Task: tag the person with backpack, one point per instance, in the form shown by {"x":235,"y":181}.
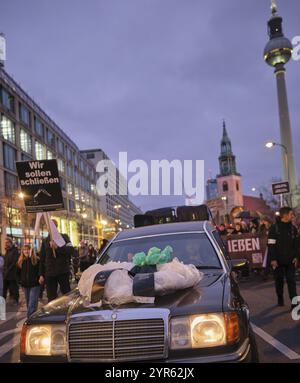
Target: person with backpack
{"x":28,"y":264}
{"x":284,"y":249}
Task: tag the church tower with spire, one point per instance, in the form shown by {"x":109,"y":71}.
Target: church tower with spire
{"x":229,"y":180}
{"x":227,"y":159}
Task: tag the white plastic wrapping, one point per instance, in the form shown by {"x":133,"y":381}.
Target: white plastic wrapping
{"x":175,"y":275}
{"x":87,"y":278}
{"x":118,"y":288}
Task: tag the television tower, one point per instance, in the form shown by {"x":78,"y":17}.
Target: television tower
{"x":277,"y":53}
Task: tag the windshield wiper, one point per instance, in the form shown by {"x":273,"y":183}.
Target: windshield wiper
{"x":208,"y":267}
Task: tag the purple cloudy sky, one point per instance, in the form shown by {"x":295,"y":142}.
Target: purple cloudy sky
{"x":156,"y":77}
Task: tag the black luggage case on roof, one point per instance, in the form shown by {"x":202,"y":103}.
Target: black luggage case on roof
{"x":164,"y":215}
{"x":193,"y":213}
{"x":143,"y":220}
{"x":171,"y":214}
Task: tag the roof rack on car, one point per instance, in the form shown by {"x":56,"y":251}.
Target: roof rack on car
{"x":173,"y":214}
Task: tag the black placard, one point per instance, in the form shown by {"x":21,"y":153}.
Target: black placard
{"x":281,"y":188}
{"x":40,"y":183}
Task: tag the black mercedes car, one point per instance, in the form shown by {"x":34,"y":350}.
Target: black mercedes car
{"x":207,"y":323}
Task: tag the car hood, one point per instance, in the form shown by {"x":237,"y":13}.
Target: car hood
{"x":206,"y":297}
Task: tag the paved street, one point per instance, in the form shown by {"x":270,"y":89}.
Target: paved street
{"x":277,"y":334}
{"x":10,"y":331}
{"x":274,"y":324}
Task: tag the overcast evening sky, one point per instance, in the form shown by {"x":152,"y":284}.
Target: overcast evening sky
{"x":155,"y":78}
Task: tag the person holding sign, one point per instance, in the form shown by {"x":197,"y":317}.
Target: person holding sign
{"x":283,"y":247}
{"x":56,"y":252}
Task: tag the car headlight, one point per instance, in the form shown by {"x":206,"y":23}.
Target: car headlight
{"x":43,"y":340}
{"x":204,"y":330}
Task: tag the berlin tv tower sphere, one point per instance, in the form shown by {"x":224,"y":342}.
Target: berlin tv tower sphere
{"x":279,"y":49}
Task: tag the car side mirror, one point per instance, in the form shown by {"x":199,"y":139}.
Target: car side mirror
{"x":237,"y":264}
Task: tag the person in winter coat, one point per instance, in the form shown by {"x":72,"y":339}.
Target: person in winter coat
{"x":28,"y":265}
{"x":238,"y":229}
{"x":222,"y":230}
{"x":264,"y":227}
{"x":1,"y":275}
{"x":75,"y":261}
{"x":55,"y":266}
{"x":284,"y":252}
{"x":103,"y":245}
{"x":10,"y":279}
{"x":263,"y":232}
{"x":83,"y":256}
{"x":92,"y":255}
{"x":253,"y":226}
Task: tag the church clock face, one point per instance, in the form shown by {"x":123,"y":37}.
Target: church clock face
{"x":225,"y":166}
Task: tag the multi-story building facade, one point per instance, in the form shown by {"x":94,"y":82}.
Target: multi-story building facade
{"x":211,"y":189}
{"x":115,"y":203}
{"x":27,"y":132}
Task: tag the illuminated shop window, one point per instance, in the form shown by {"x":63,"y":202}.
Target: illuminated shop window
{"x":40,"y":151}
{"x":25,"y":141}
{"x":8,"y":129}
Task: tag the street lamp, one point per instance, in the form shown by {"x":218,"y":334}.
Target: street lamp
{"x":286,"y":172}
{"x":225,"y":200}
{"x":270,"y":145}
{"x":21,"y":195}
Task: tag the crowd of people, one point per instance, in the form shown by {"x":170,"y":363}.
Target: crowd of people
{"x":51,"y":269}
{"x":282,"y":257}
{"x":254,"y":226}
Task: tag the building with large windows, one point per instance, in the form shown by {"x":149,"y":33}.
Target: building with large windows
{"x":27,"y":132}
{"x":115,"y":203}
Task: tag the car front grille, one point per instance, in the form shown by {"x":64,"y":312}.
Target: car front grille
{"x":118,"y":340}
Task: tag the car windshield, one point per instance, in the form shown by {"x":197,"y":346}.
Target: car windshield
{"x":191,"y":248}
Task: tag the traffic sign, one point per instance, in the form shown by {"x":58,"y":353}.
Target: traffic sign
{"x":281,"y":188}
